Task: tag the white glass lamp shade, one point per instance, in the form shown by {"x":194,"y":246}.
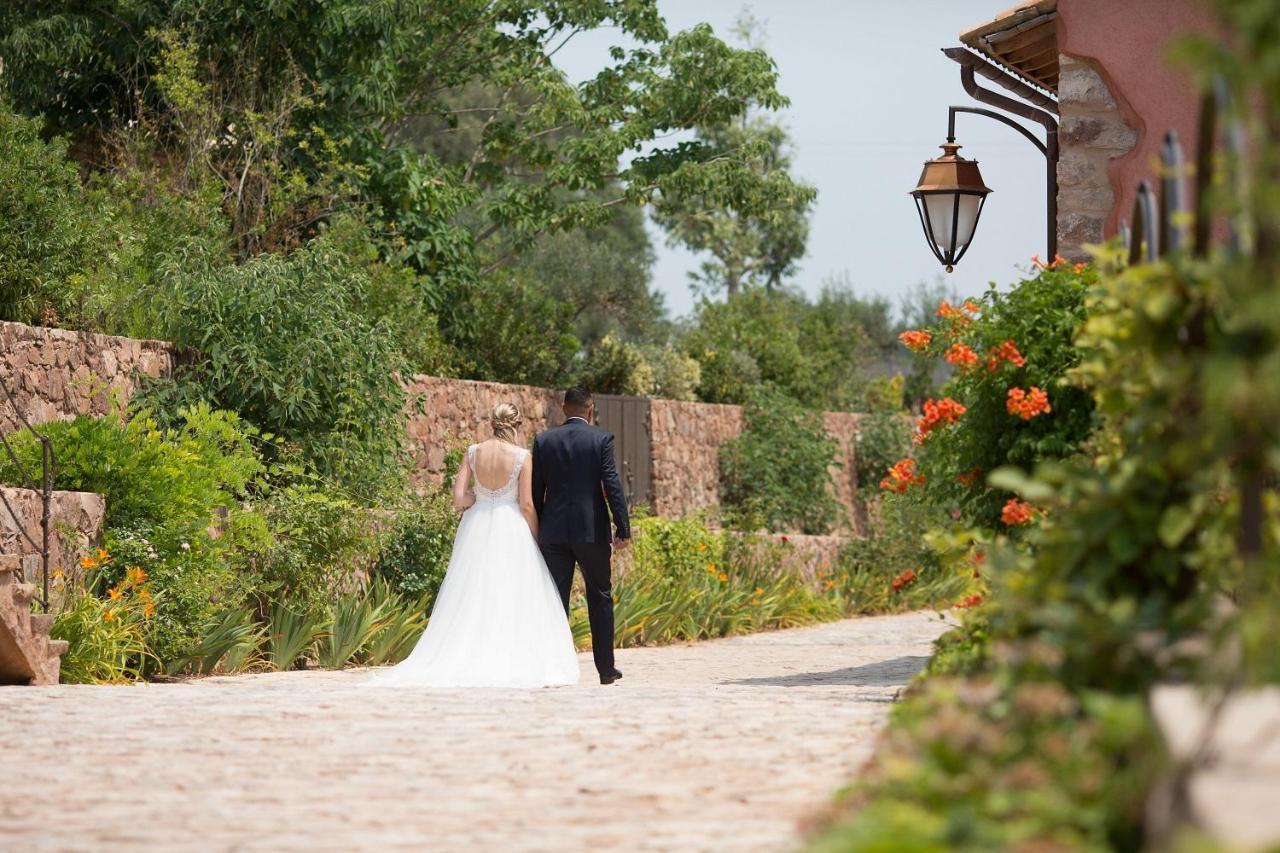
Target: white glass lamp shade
{"x":952,"y":219}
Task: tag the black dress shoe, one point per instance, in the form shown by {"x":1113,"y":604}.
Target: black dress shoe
{"x":611,"y":677}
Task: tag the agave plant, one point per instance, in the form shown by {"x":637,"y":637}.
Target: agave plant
{"x":291,"y":635}
{"x":398,"y":630}
{"x":353,"y":620}
{"x":232,"y":639}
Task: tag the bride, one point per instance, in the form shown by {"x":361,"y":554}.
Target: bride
{"x":498,"y":620}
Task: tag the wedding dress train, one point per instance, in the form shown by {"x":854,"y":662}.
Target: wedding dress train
{"x":498,"y":620}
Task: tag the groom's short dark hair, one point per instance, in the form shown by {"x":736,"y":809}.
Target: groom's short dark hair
{"x":577,"y":399}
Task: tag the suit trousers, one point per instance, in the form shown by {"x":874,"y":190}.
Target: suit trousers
{"x":593,"y":560}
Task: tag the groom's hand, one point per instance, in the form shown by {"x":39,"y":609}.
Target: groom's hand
{"x":619,"y":543}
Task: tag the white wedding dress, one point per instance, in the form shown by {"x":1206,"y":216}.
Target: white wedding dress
{"x":498,"y":620}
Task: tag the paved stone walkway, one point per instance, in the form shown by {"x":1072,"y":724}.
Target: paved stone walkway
{"x":716,"y":746}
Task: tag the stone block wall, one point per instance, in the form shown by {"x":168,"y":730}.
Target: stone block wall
{"x":843,"y":429}
{"x":685,"y":439}
{"x":55,"y":374}
{"x":1092,"y":134}
{"x":686,"y":464}
{"x":77,"y":527}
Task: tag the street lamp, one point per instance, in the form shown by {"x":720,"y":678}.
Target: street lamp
{"x":949,"y":199}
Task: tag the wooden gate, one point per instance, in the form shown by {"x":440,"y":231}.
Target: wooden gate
{"x":628,"y":419}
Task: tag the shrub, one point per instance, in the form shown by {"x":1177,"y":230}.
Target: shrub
{"x":810,"y":351}
{"x":320,"y":545}
{"x":668,"y":373}
{"x":166,"y":489}
{"x":50,"y":228}
{"x":685,"y":582}
{"x":983,"y":765}
{"x":173,"y":479}
{"x":904,"y":562}
{"x":106,"y":636}
{"x":291,"y":636}
{"x":192,"y":581}
{"x":517,"y":332}
{"x":776,"y":473}
{"x":230,"y":641}
{"x":280,"y":342}
{"x":884,"y":437}
{"x":399,"y":629}
{"x":1008,"y":343}
{"x":614,"y":366}
{"x":354,"y":619}
{"x":416,"y":550}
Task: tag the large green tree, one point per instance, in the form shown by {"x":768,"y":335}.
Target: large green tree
{"x":750,"y":242}
{"x":297,"y":107}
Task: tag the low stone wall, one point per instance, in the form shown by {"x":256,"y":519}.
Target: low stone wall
{"x":77,"y":527}
{"x":55,"y":374}
{"x":843,"y":427}
{"x":686,"y":465}
{"x":448,"y":413}
{"x":686,"y":441}
{"x":811,"y":557}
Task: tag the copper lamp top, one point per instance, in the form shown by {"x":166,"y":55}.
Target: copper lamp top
{"x":951,"y":173}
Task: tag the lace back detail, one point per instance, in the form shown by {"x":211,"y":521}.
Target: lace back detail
{"x":506,"y":492}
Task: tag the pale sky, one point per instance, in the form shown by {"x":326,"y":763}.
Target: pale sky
{"x":869,"y":90}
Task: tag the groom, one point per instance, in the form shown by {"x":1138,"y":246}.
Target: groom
{"x":573,"y":472}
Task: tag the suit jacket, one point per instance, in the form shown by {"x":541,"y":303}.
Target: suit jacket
{"x":573,"y":473}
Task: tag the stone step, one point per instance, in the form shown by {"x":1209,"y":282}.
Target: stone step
{"x":58,"y":648}
{"x":41,"y":623}
{"x":23,"y":593}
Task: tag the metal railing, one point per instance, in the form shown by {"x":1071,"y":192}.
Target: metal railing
{"x":44,"y":486}
{"x":1159,"y":226}
{"x":1160,"y":220}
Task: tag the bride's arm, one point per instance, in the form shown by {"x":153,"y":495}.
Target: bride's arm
{"x":526,"y":498}
{"x":463,"y":497}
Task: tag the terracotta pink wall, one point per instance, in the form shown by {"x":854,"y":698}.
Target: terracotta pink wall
{"x":1128,"y":42}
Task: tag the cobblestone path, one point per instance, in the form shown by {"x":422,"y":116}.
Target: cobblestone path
{"x":718,"y":746}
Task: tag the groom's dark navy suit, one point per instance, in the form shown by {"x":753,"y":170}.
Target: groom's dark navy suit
{"x":573,"y":475}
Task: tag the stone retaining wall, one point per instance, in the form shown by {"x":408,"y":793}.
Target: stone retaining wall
{"x":56,"y":375}
{"x":77,"y":527}
{"x":685,"y":439}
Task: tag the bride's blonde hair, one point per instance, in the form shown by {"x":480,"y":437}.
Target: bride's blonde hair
{"x":505,"y":420}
